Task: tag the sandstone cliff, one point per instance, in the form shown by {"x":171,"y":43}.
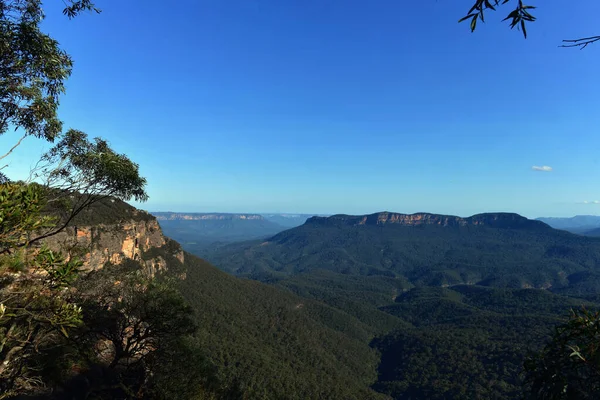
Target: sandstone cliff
{"x":172,"y":216}
{"x":494,"y":220}
{"x":112,"y":232}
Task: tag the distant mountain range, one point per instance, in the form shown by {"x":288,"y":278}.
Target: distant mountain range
{"x":175,"y":216}
{"x":455,"y":302}
{"x":198,"y":232}
{"x":289,"y":220}
{"x":588,"y":225}
{"x":496,"y":249}
{"x":495,"y":220}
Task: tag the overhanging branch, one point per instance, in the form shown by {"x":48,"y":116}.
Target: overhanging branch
{"x":582,"y":43}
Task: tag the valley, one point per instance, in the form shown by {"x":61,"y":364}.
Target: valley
{"x":211,"y":107}
{"x":452,"y":305}
{"x":199,"y":233}
{"x":378,"y":306}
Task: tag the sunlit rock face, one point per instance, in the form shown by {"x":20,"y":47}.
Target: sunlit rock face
{"x":132,"y":236}
{"x":494,"y":220}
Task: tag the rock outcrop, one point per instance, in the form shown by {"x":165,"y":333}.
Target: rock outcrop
{"x":129,"y":236}
{"x":494,"y":220}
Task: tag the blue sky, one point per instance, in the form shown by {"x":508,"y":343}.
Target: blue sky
{"x":338,"y":106}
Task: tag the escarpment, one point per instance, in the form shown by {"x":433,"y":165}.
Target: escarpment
{"x":173,"y":216}
{"x":112,"y":232}
{"x":492,"y":220}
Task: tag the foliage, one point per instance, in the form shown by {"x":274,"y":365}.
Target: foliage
{"x":35,"y":282}
{"x":395,"y":257}
{"x":33,"y":68}
{"x":20,"y":214}
{"x":272,"y":344}
{"x":467,"y":341}
{"x":568,"y":367}
{"x":36,"y":309}
{"x":518,"y":17}
{"x":182,"y":371}
{"x":106,"y":211}
{"x":79,"y":173}
{"x":36,"y":313}
{"x":37,"y":306}
{"x":118,"y":335}
{"x":136,"y":315}
{"x":138,"y":326}
{"x":446,"y":304}
{"x":75,"y":164}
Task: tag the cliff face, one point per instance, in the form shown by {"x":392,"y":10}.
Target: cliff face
{"x":171,"y":216}
{"x":130,"y":236}
{"x":495,"y":220}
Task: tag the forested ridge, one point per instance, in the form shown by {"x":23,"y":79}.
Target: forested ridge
{"x":455,"y":311}
{"x":425,"y":255}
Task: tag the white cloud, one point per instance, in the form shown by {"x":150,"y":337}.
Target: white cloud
{"x":591,"y":202}
{"x":543,"y":168}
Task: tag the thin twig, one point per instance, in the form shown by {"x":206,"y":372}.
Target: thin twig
{"x":582,"y":43}
{"x":14,"y":147}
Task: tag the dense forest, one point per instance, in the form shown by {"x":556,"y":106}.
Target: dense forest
{"x":454,"y":311}
{"x":533,"y":255}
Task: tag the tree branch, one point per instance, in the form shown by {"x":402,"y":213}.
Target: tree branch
{"x":14,"y":147}
{"x":76,"y":210}
{"x":582,"y":43}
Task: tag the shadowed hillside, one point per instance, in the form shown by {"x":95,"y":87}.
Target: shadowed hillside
{"x":457,"y":303}
{"x":499,"y":250}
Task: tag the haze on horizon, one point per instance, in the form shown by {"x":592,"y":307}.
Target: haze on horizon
{"x":338,"y":107}
{"x":294,"y":214}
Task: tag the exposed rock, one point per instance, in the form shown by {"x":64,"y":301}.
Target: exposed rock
{"x":99,"y":244}
{"x":170,"y":216}
{"x":495,"y":220}
{"x":112,"y":231}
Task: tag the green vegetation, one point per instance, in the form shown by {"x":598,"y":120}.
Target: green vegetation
{"x":568,"y":367}
{"x":448,"y":308}
{"x":428,"y":255}
{"x":349,"y":312}
{"x":112,"y":333}
{"x":50,"y":323}
{"x":467,"y":341}
{"x":273,"y":344}
{"x":141,"y":331}
{"x":312,"y":333}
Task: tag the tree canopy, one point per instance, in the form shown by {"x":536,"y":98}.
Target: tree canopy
{"x":569,"y":365}
{"x":33,"y":68}
{"x":37,"y":308}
